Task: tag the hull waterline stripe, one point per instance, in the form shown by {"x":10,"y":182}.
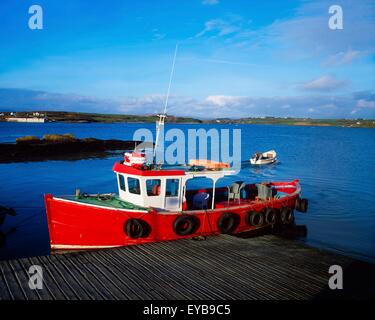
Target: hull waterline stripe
{"x":68,"y":246}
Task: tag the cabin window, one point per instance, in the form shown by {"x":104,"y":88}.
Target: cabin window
{"x":121,"y":182}
{"x":134,"y":185}
{"x":171,"y":187}
{"x":153,"y":187}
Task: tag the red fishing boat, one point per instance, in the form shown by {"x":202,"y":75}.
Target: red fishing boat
{"x":154,"y":203}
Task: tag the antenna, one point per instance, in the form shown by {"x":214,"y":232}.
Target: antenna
{"x":170,"y":79}
{"x":162,"y":116}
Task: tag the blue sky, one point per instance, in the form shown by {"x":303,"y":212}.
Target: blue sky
{"x":236,"y":58}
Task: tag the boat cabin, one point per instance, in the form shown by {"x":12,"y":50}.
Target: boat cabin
{"x":164,"y":189}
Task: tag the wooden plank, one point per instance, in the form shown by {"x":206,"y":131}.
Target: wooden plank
{"x":106,"y":289}
{"x":162,"y":274}
{"x":68,"y":277}
{"x":253,"y":270}
{"x":230,"y":278}
{"x":22,"y":272}
{"x":139,"y":279}
{"x":222,"y":267}
{"x":104,"y":276}
{"x":55,"y":275}
{"x":5,"y":291}
{"x":49,"y":284}
{"x":81,"y":277}
{"x":160,"y":282}
{"x":191,"y":274}
{"x":13,"y":282}
{"x":117,"y":275}
{"x":126,"y":278}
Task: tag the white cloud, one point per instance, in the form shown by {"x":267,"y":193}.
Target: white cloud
{"x":157,"y":35}
{"x":213,"y":106}
{"x":365,"y":104}
{"x":210,"y":2}
{"x":286,"y":106}
{"x":324,"y":83}
{"x":342,"y":58}
{"x":224,"y":101}
{"x":328,"y":106}
{"x":235,"y":63}
{"x":218,"y":27}
{"x":307,"y":35}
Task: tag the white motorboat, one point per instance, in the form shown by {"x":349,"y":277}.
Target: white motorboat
{"x":264,"y":158}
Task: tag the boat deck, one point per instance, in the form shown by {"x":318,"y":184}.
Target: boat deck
{"x":221,"y":267}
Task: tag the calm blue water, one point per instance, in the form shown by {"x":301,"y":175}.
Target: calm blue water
{"x":335,"y":166}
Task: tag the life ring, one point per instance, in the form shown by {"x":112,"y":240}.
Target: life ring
{"x":301,"y":204}
{"x":286,"y":215}
{"x":270,"y":216}
{"x":228,"y":222}
{"x":137,"y":228}
{"x":185,"y":225}
{"x":255,"y":218}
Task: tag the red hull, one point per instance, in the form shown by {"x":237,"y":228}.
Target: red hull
{"x":74,"y":225}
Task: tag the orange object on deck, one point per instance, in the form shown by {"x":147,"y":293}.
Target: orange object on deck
{"x":209,"y":164}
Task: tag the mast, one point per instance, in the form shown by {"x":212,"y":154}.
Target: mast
{"x":160,"y":123}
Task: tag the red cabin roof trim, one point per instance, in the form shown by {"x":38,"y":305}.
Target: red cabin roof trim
{"x":121,"y":168}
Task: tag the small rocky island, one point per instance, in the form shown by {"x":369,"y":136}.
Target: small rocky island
{"x":61,"y":147}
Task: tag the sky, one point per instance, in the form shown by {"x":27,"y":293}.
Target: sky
{"x":236,"y":58}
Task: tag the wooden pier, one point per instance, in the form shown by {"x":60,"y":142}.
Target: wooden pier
{"x":221,"y":267}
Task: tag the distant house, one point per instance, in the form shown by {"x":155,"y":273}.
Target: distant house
{"x":30,"y":120}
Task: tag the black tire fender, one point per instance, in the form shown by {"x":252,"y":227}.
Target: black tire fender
{"x":137,"y":228}
{"x":271,"y":216}
{"x":228,"y":222}
{"x":185,"y":225}
{"x":286,"y":215}
{"x":302,"y":204}
{"x":255,"y":218}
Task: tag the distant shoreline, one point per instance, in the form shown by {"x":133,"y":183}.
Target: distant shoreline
{"x":77,"y":117}
{"x":61,"y":147}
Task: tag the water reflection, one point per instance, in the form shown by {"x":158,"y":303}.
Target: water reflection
{"x":4,"y":212}
{"x":291,"y":231}
{"x":265,"y":170}
{"x":4,"y":236}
